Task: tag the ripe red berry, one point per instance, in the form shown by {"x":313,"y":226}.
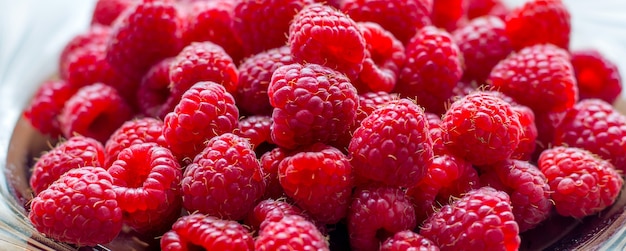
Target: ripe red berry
{"x":135,"y":131}
{"x":449,"y":14}
{"x":377,"y":213}
{"x":94,"y":111}
{"x":292,"y":232}
{"x":432,"y":69}
{"x":269,"y":163}
{"x":481,"y":128}
{"x":79,"y":208}
{"x":319,"y":179}
{"x":408,"y":240}
{"x":596,"y":76}
{"x":96,"y":35}
{"x":106,"y":11}
{"x":75,"y":152}
{"x":154,"y":98}
{"x":208,"y":233}
{"x":257,"y":130}
{"x":312,"y":103}
{"x":224,"y":180}
{"x":582,"y":184}
{"x":540,"y":77}
{"x":480,"y":220}
{"x":479,"y":8}
{"x":323,"y":35}
{"x":206,"y":110}
{"x":270,"y":210}
{"x":392,"y":145}
{"x":46,"y":105}
{"x":539,"y":22}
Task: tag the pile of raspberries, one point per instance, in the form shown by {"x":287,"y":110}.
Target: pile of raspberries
{"x":324,"y":125}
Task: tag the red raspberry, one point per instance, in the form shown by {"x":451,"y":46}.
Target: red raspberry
{"x":144,"y":35}
{"x":527,"y":187}
{"x":96,"y":35}
{"x":597,"y":76}
{"x":106,"y":11}
{"x":257,"y":130}
{"x":377,"y":213}
{"x":224,"y":180}
{"x":94,"y":111}
{"x":539,"y":22}
{"x":312,"y":103}
{"x":323,"y":35}
{"x":262,"y":25}
{"x":546,"y":126}
{"x":202,"y":61}
{"x":205,"y":111}
{"x":208,"y":233}
{"x":255,"y":74}
{"x":408,"y":240}
{"x":135,"y":131}
{"x":481,"y":128}
{"x":447,"y":177}
{"x":319,"y":179}
{"x":432,"y":70}
{"x":480,"y":220}
{"x":292,"y":232}
{"x":449,"y":14}
{"x":79,"y":208}
{"x":539,"y":77}
{"x":528,"y":138}
{"x":595,"y":126}
{"x":582,"y":184}
{"x":400,"y":17}
{"x":479,"y":8}
{"x":46,"y":105}
{"x":385,"y":56}
{"x":154,"y":92}
{"x":211,"y":21}
{"x":435,"y":132}
{"x":392,"y":145}
{"x":77,"y":151}
{"x":269,"y":163}
{"x":270,"y":210}
{"x":483,"y":43}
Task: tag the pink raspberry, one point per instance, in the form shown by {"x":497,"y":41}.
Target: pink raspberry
{"x":408,"y":240}
{"x":206,"y":110}
{"x":312,"y":103}
{"x":319,"y":179}
{"x":432,"y":70}
{"x":154,"y":90}
{"x":377,"y":213}
{"x":224,"y":180}
{"x":392,"y":145}
{"x":47,"y":103}
{"x":582,"y":184}
{"x":323,"y":35}
{"x":208,"y":233}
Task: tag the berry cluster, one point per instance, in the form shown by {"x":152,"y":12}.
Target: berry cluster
{"x":324,"y":125}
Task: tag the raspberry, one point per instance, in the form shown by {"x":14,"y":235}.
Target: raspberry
{"x":435,"y":132}
{"x":449,"y":14}
{"x":319,"y":179}
{"x":432,"y":69}
{"x":77,"y":151}
{"x":106,"y":11}
{"x":322,"y":35}
{"x":208,"y":233}
{"x":377,"y":213}
{"x":483,"y":43}
{"x":46,"y":105}
{"x":539,"y":77}
{"x":94,"y":111}
{"x":224,"y":180}
{"x":153,"y":92}
{"x":597,"y":76}
{"x":79,"y":208}
{"x":582,"y":183}
{"x":144,"y":35}
{"x":384,"y":58}
{"x":269,"y":163}
{"x":211,"y":21}
{"x":447,"y":177}
{"x":408,"y":240}
{"x":481,"y":128}
{"x":292,"y":232}
{"x":312,"y":103}
{"x":595,"y":126}
{"x":546,"y":126}
{"x":400,"y":17}
{"x":528,"y":138}
{"x":255,"y":74}
{"x":205,"y":111}
{"x":96,"y":35}
{"x":480,"y":220}
{"x":270,"y":210}
{"x":479,"y":8}
{"x":262,"y":25}
{"x":146,"y":179}
{"x":202,"y":61}
{"x":527,"y":187}
{"x":257,"y":130}
{"x":539,"y":22}
{"x":392,"y":145}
